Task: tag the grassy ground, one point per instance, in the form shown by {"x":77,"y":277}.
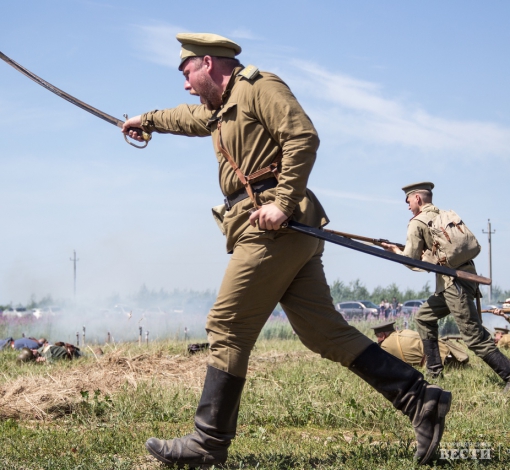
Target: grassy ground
{"x":298,"y":412}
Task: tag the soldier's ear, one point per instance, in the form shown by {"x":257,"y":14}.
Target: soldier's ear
{"x":208,"y":63}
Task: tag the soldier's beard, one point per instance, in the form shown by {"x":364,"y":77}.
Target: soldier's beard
{"x":209,"y":92}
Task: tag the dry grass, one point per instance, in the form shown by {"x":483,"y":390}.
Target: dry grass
{"x":45,"y":396}
{"x":57,"y":392}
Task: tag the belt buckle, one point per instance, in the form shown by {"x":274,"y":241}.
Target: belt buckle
{"x":227,"y":204}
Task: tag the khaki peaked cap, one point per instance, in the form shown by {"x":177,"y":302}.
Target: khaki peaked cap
{"x":423,"y":186}
{"x":383,"y":327}
{"x":502,"y":330}
{"x":202,"y":44}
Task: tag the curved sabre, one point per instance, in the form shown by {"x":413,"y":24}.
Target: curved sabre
{"x":66,"y":96}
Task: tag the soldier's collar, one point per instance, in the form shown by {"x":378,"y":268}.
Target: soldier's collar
{"x":232,"y":80}
{"x":225,"y":95}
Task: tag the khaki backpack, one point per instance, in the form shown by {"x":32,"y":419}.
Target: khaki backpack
{"x":453,"y":243}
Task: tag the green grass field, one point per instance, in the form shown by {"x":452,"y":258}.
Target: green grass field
{"x":298,"y":411}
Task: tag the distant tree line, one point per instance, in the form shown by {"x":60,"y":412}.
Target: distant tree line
{"x":177,"y":299}
{"x":203,"y":300}
{"x":498,"y":294}
{"x":355,"y":290}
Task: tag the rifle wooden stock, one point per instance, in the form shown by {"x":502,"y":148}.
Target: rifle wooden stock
{"x":472,"y":277}
{"x":373,"y":241}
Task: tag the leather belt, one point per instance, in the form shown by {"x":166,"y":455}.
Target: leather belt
{"x":241,"y":194}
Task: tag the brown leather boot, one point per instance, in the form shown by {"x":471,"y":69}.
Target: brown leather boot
{"x":426,"y":405}
{"x":215,"y":425}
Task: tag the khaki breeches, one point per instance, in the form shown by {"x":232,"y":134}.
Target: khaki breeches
{"x":268,"y":267}
{"x":460,"y":303}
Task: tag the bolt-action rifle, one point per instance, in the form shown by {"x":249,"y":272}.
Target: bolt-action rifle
{"x":337,"y":239}
{"x":502,"y":313}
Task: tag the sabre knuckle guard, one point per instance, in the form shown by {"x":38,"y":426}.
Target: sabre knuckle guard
{"x":453,"y":243}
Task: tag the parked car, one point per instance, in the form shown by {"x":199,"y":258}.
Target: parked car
{"x":17,"y":312}
{"x":412,"y":306}
{"x":41,"y":312}
{"x":357,"y":309}
{"x":38,"y":312}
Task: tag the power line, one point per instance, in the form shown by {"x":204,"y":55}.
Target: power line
{"x":489,"y":233}
{"x":74,"y":260}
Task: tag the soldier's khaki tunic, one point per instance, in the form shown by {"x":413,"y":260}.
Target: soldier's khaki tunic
{"x":452,"y":297}
{"x":504,"y":342}
{"x":259,"y":117}
{"x":54,"y":353}
{"x":407,"y":346}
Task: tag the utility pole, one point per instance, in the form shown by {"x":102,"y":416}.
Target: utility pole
{"x":74,"y":260}
{"x":489,"y":233}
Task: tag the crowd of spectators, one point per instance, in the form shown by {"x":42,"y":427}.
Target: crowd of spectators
{"x":389,"y":309}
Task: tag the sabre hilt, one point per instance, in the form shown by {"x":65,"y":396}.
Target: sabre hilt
{"x":140,"y":133}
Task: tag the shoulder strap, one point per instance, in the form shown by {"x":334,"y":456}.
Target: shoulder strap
{"x":247,"y":179}
{"x":400,"y":346}
{"x":249,"y":72}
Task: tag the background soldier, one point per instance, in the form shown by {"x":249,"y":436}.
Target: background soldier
{"x":451,"y":296}
{"x":502,"y":337}
{"x":266,"y":146}
{"x":30,"y":343}
{"x":50,"y":353}
{"x":5,"y":343}
{"x":407,"y":345}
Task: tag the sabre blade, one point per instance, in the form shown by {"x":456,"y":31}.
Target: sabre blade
{"x":62,"y":94}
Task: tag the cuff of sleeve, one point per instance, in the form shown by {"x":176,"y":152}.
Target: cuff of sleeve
{"x":147,"y":122}
{"x":285,"y":208}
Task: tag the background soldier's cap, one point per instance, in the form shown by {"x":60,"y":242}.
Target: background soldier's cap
{"x":25,"y":355}
{"x":202,"y":44}
{"x":503,"y":330}
{"x":389,"y":326}
{"x":411,"y":188}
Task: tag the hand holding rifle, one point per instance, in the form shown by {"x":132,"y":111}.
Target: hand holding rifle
{"x":500,"y":312}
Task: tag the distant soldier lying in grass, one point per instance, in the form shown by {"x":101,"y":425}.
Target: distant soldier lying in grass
{"x":50,"y":353}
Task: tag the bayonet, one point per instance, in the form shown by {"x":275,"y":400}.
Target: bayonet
{"x":371,"y":250}
{"x":66,"y":96}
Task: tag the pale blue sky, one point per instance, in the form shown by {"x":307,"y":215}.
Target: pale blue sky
{"x":399,"y":91}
